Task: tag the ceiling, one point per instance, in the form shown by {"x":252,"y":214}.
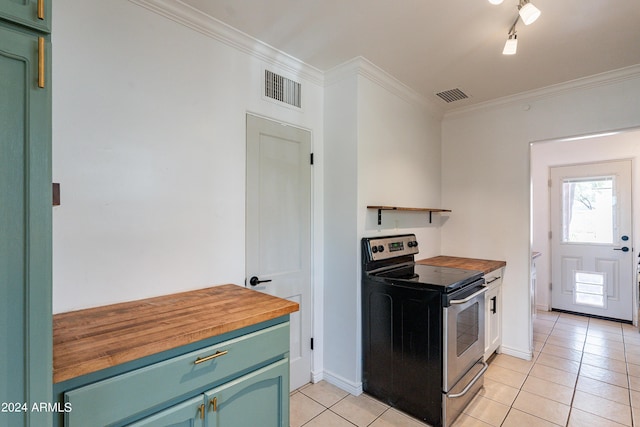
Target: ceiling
{"x":436,"y":45}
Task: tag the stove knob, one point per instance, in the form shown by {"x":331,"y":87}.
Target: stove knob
{"x":410,"y":244}
{"x":374,"y":249}
{"x":415,"y":243}
{"x":380,"y":248}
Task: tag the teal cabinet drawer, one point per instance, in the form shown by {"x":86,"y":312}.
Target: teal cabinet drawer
{"x":124,"y":396}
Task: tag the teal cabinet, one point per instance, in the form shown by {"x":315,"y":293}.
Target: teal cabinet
{"x":212,"y":385}
{"x":260,"y":398}
{"x":25,"y":225}
{"x":34,"y":14}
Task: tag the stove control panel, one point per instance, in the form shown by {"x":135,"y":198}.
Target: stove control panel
{"x":379,"y":248}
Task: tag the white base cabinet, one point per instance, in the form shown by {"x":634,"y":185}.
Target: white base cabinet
{"x":493,"y":313}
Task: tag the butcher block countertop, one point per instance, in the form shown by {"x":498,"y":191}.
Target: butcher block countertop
{"x":86,"y":341}
{"x":484,"y":265}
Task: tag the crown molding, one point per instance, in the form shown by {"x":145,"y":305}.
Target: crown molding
{"x":360,"y":66}
{"x":186,"y":15}
{"x":597,"y":80}
{"x":190,"y":17}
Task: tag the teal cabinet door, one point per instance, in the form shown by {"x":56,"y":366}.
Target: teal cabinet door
{"x":186,"y":414}
{"x":25,"y":232}
{"x":31,"y":13}
{"x":260,"y":398}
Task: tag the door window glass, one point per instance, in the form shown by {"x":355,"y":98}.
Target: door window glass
{"x":588,"y":210}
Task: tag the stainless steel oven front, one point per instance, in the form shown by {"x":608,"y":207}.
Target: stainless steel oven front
{"x":463,"y":345}
{"x":463,"y":334}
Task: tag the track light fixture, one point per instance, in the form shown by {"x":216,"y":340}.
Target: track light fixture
{"x":528,"y":13}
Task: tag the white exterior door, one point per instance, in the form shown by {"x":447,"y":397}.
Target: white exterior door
{"x":591,"y":239}
{"x":278,"y":226}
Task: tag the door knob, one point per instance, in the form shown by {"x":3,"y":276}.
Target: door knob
{"x":623,"y":249}
{"x":254,"y":281}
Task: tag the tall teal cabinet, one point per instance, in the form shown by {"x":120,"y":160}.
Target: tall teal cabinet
{"x":25,"y":213}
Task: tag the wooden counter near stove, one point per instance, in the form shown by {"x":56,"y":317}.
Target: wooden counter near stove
{"x":484,"y":265}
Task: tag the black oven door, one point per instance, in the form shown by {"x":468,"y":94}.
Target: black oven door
{"x":463,"y":334}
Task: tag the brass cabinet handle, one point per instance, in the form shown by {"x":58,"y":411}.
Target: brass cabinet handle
{"x":41,"y":62}
{"x":40,"y":9}
{"x":201,"y":411}
{"x":212,"y":356}
{"x":214,"y":404}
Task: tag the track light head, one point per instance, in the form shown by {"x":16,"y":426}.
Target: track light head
{"x":496,"y":1}
{"x":528,"y":12}
{"x":511,"y":46}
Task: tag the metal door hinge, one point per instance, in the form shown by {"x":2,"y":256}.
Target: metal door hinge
{"x":311,"y":158}
{"x":55,"y":193}
{"x":311,"y":343}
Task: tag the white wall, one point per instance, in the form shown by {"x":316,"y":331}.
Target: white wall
{"x":383,"y":148}
{"x":486,"y":177}
{"x":340,"y":224}
{"x":546,"y":154}
{"x":398,"y":164}
{"x":149,"y":148}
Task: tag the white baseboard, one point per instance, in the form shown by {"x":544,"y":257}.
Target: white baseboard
{"x":543,"y":307}
{"x":526,"y":355}
{"x":316,"y":377}
{"x":342,"y":383}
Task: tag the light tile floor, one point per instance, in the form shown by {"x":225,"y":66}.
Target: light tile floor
{"x":585,"y":372}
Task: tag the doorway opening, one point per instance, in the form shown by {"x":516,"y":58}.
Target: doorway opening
{"x":588,"y":287}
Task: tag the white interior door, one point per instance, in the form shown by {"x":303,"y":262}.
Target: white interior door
{"x":591,"y":239}
{"x":278,"y":226}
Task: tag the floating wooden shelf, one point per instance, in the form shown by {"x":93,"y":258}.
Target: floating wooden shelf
{"x":397,"y":208}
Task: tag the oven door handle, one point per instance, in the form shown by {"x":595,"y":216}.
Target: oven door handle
{"x":473,"y":381}
{"x":470,"y":297}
